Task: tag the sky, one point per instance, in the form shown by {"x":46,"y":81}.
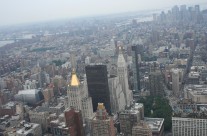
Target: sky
{"x":25,"y":11}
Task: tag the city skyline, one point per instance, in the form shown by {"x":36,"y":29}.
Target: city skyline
{"x":24,"y":11}
{"x":137,"y":73}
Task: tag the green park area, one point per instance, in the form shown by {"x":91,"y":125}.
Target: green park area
{"x":158,"y":107}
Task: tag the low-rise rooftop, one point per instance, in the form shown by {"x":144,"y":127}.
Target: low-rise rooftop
{"x":154,"y":123}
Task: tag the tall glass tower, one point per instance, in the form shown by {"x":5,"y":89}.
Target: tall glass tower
{"x":135,"y":68}
{"x":98,"y":88}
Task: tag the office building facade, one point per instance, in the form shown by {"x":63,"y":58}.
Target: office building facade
{"x":98,"y":88}
{"x":122,"y":73}
{"x":135,"y":68}
{"x":189,"y":126}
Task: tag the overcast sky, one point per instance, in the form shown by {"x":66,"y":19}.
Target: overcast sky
{"x":22,"y":11}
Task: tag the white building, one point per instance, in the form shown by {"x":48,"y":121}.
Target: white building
{"x":197,"y":93}
{"x":176,"y":81}
{"x":86,"y":100}
{"x":87,"y":60}
{"x":116,"y":95}
{"x":123,"y":78}
{"x":189,"y":126}
{"x":78,"y":96}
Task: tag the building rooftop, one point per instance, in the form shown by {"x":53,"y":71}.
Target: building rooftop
{"x":134,"y":109}
{"x":101,"y":106}
{"x":193,"y":75}
{"x":185,"y":119}
{"x":198,"y":92}
{"x":196,"y":89}
{"x":9,"y":105}
{"x":28,"y":91}
{"x":154,"y":123}
{"x":27,"y":128}
{"x":74,"y":79}
{"x":137,"y":106}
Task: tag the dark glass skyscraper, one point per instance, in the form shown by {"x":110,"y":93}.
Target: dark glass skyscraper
{"x":135,"y":68}
{"x":98,"y":88}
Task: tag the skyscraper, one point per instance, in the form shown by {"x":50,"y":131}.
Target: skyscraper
{"x":78,"y":96}
{"x":197,"y":9}
{"x":74,"y":92}
{"x":116,"y":94}
{"x":98,"y":88}
{"x":135,"y":68}
{"x":176,"y":81}
{"x":123,"y":78}
{"x":128,"y":118}
{"x":102,"y":124}
{"x":156,"y":84}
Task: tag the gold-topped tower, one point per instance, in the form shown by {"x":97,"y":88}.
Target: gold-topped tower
{"x":74,"y":79}
{"x":101,"y":106}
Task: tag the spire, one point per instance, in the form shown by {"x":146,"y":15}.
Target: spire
{"x":121,"y":60}
{"x":120,"y":49}
{"x":74,"y":79}
{"x":73,"y":59}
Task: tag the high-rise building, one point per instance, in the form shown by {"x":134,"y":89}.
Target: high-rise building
{"x":128,"y":118}
{"x":102,"y":124}
{"x":189,"y":126}
{"x":98,"y":88}
{"x":74,"y":92}
{"x":135,"y":68}
{"x":74,"y":121}
{"x":39,"y":118}
{"x":123,"y":78}
{"x":175,"y":12}
{"x":183,"y":12}
{"x":116,"y":94}
{"x":197,"y":9}
{"x":78,"y":96}
{"x":156,"y":84}
{"x":176,"y":81}
{"x":183,"y":8}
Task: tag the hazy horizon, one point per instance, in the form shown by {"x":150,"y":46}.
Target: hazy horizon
{"x":27,"y":11}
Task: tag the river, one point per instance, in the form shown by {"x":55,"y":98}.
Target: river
{"x":3,"y":43}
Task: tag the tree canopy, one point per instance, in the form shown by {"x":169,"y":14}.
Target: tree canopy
{"x":158,"y":107}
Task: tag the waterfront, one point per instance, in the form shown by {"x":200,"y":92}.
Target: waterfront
{"x":3,"y":43}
